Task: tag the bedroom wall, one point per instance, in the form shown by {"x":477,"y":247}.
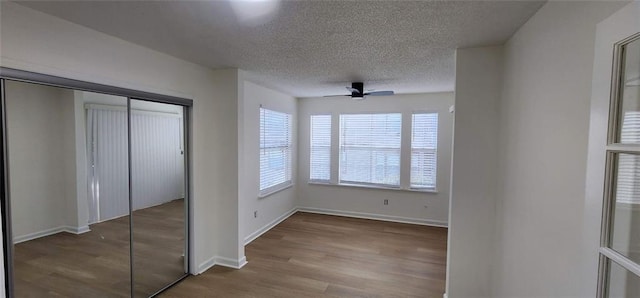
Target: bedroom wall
{"x":474,"y":172}
{"x":277,"y":206}
{"x":430,"y":208}
{"x":544,"y":134}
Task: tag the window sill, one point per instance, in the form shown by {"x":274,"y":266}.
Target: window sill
{"x":421,"y":190}
{"x":275,"y":189}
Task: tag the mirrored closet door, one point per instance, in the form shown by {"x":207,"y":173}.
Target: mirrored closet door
{"x":69,"y":210}
{"x":95,"y":194}
{"x":157,"y":192}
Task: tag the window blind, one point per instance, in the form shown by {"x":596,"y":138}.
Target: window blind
{"x":275,"y":149}
{"x":628,"y":180}
{"x":320,"y":153}
{"x":424,"y":145}
{"x":370,"y":149}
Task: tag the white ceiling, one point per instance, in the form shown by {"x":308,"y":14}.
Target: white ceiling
{"x":311,"y":48}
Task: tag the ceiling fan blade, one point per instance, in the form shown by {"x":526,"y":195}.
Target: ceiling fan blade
{"x":336,"y":95}
{"x":380,"y":93}
{"x":353,"y":90}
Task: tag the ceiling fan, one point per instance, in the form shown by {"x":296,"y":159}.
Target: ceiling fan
{"x":357,"y":92}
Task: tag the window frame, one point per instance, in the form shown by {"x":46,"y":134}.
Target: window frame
{"x":331,"y":143}
{"x":400,"y":149}
{"x":436,"y":151}
{"x":288,"y":175}
{"x":405,"y":151}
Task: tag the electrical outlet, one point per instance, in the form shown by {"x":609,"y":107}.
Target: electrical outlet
{"x":386,"y":201}
{"x":255,"y":214}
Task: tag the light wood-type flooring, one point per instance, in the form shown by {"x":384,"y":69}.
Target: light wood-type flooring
{"x":312,"y":255}
{"x":96,"y":264}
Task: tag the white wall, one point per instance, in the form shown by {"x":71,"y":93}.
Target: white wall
{"x":474,"y":172}
{"x":409,"y":206}
{"x":273,"y":207}
{"x":38,"y":42}
{"x":543,"y":146}
{"x":38,"y":134}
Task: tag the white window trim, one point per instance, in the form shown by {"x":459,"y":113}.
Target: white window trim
{"x":378,"y":187}
{"x":275,"y":189}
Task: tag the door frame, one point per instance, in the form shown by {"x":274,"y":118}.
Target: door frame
{"x":616,"y":30}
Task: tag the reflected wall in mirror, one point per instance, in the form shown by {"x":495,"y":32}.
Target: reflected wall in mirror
{"x":158,"y":192}
{"x":68,"y":187}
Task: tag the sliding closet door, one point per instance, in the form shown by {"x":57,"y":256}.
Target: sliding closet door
{"x":68,"y":165}
{"x":159,"y":215}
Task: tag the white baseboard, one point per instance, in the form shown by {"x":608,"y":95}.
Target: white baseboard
{"x":269,"y":226}
{"x":417,"y":221}
{"x":221,"y":261}
{"x":77,"y":230}
{"x":204,"y":266}
{"x":36,"y":235}
{"x":231,"y":263}
{"x":52,"y":231}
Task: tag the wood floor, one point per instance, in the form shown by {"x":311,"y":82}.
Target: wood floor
{"x":311,"y":255}
{"x":96,"y":264}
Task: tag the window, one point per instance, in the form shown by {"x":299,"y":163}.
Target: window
{"x":424,"y":145}
{"x":320,"y":153}
{"x":275,"y":151}
{"x":370,"y":149}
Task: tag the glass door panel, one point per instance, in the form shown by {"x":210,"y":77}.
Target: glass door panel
{"x":625,"y":211}
{"x":622,"y":283}
{"x":620,"y":241}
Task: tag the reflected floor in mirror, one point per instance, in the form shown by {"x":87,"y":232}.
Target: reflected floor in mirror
{"x":159,"y":243}
{"x":96,"y":263}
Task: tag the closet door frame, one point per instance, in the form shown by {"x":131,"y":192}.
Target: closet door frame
{"x":12,"y":74}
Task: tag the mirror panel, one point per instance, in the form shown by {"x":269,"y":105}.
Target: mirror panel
{"x":67,"y":171}
{"x":158,"y":192}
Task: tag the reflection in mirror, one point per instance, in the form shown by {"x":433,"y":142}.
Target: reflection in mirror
{"x":68,"y":191}
{"x":158,"y":192}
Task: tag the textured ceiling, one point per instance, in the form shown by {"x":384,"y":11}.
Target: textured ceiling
{"x":311,"y":48}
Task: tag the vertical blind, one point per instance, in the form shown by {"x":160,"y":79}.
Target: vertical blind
{"x":628,"y":180}
{"x":157,"y":161}
{"x":424,"y":144}
{"x":370,"y":148}
{"x":320,"y":155}
{"x":108,"y":167}
{"x":275,"y":149}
